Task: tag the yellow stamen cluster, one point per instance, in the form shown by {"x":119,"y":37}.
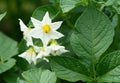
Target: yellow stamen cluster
{"x":30,"y":51}
{"x":42,"y":49}
{"x":54,"y":42}
{"x":46,"y":28}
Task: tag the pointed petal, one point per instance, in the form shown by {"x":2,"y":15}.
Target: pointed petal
{"x":46,"y":59}
{"x":28,"y":40}
{"x":26,"y":56}
{"x":56,"y":25}
{"x":63,"y":50}
{"x":36,"y":22}
{"x":45,"y":39}
{"x":36,"y":33}
{"x":47,"y":52}
{"x":52,"y":35}
{"x":55,"y":35}
{"x":46,"y":18}
{"x":23,"y":27}
{"x":39,"y":55}
{"x":36,"y":48}
{"x":23,"y":54}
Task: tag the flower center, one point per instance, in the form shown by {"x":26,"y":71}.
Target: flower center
{"x":54,"y":42}
{"x":46,"y":28}
{"x":30,"y":51}
{"x":42,"y":49}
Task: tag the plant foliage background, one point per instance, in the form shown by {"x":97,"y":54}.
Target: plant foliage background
{"x":92,"y":36}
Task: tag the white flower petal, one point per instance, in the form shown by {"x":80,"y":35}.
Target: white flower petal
{"x":23,"y":54}
{"x":28,"y":40}
{"x":36,"y":33}
{"x":34,"y":58}
{"x":46,"y":59}
{"x":56,"y":25}
{"x":57,"y":50}
{"x":36,"y":48}
{"x":29,"y":55}
{"x":26,"y":33}
{"x":55,"y":35}
{"x":23,"y":27}
{"x":39,"y":56}
{"x":46,"y":19}
{"x":44,"y":51}
{"x":26,"y":56}
{"x":45,"y":39}
{"x":36,"y":22}
{"x":47,"y":53}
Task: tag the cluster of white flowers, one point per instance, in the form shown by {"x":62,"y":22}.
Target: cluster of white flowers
{"x":46,"y":31}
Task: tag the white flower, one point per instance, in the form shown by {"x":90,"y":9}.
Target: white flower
{"x":26,"y":33}
{"x":57,"y":49}
{"x":43,"y":52}
{"x":29,"y":55}
{"x":45,"y":29}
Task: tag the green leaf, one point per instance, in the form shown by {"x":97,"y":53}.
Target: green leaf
{"x":115,"y":20}
{"x":93,"y":35}
{"x":108,"y":68}
{"x":40,"y":12}
{"x":20,"y":81}
{"x":2,"y":15}
{"x":39,"y":76}
{"x":10,"y":77}
{"x":115,"y":4}
{"x":68,"y":5}
{"x":8,"y":47}
{"x":7,"y":65}
{"x":109,"y":2}
{"x":69,"y":69}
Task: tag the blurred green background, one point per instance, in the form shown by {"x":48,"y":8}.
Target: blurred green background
{"x":16,"y":9}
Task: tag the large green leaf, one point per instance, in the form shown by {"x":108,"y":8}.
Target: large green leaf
{"x":2,"y":15}
{"x":68,"y":5}
{"x":7,"y":65}
{"x":8,"y":47}
{"x":92,"y":36}
{"x":108,"y":68}
{"x":39,"y":76}
{"x":70,"y":69}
